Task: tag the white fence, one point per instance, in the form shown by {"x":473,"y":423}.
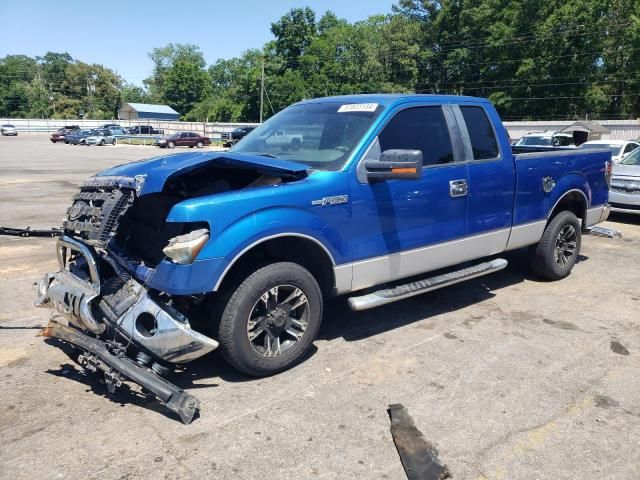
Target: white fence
{"x":620,"y":129}
{"x":209,"y":129}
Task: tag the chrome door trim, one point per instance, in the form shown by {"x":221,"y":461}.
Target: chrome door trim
{"x":458,"y":188}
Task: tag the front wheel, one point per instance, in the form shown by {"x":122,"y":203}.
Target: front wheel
{"x":556,"y":253}
{"x":171,"y":145}
{"x":271,"y":319}
{"x":199,"y":144}
{"x":114,"y":141}
{"x":102,"y":142}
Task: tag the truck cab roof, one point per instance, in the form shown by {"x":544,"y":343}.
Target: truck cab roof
{"x":386,"y":99}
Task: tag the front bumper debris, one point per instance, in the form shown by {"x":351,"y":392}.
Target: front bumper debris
{"x":151,"y":325}
{"x":109,"y":359}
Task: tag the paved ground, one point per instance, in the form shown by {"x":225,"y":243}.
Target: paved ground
{"x":510,"y":377}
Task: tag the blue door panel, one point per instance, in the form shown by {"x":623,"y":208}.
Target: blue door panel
{"x":404,"y":214}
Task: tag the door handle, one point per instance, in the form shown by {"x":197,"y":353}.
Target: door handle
{"x":458,"y":188}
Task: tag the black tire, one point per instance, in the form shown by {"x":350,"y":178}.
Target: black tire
{"x":102,"y":142}
{"x":233,"y":332}
{"x":550,"y":257}
{"x":199,"y":144}
{"x":171,"y":145}
{"x":114,"y":141}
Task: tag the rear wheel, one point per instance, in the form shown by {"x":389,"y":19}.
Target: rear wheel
{"x":271,"y":319}
{"x":556,"y":253}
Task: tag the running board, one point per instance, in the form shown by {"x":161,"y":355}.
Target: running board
{"x":400,"y":292}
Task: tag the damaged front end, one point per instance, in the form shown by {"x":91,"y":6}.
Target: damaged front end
{"x":123,"y":328}
{"x":129,"y":281}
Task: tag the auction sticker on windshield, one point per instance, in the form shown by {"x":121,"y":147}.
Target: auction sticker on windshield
{"x":358,"y":107}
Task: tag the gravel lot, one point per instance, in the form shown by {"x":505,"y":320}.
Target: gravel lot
{"x":509,"y":377}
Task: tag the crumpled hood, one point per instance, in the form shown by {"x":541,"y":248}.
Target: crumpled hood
{"x":626,"y":170}
{"x":157,"y":170}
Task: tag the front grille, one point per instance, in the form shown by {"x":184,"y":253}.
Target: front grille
{"x":97,"y":210}
{"x":625,"y":186}
{"x":625,"y":206}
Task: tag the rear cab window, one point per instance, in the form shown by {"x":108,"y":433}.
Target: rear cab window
{"x":481,"y":134}
{"x":419,"y":128}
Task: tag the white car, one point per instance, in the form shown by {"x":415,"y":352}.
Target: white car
{"x":101,"y":137}
{"x":624,"y":194}
{"x":8,"y":129}
{"x":619,"y":148}
{"x":546,"y":139}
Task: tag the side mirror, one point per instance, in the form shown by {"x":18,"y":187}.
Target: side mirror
{"x":395,"y":164}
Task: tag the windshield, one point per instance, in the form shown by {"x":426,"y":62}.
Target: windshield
{"x":615,"y":149}
{"x":632,"y":159}
{"x":321,"y":135}
{"x":534,"y":141}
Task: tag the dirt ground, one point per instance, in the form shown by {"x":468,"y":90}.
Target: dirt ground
{"x":508,"y":376}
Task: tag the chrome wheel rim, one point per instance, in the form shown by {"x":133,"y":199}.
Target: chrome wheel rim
{"x":278,"y":320}
{"x":565,"y":247}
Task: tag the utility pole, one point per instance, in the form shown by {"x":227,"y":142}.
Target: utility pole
{"x":262,"y":90}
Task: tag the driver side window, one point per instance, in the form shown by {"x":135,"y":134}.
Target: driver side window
{"x":419,"y":128}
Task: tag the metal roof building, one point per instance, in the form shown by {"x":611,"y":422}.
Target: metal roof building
{"x":147,"y":111}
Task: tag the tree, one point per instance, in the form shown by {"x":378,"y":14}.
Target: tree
{"x":184,"y":85}
{"x":294,"y":32}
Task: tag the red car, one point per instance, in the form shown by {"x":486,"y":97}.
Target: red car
{"x":60,"y":134}
{"x":183,"y":139}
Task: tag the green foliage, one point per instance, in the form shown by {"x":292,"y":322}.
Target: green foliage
{"x":57,"y":86}
{"x":535,"y":59}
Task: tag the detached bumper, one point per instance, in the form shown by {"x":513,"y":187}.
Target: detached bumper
{"x":131,"y":309}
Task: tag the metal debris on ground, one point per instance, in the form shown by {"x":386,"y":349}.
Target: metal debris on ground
{"x":31,"y":232}
{"x":419,"y":457}
{"x":599,"y":231}
{"x":98,"y":356}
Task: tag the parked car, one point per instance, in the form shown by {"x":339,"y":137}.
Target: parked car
{"x":109,"y":125}
{"x":8,"y":129}
{"x":619,"y":148}
{"x":60,"y":134}
{"x":183,"y":139}
{"x":116,"y":130}
{"x":231,"y":138}
{"x":257,"y":239}
{"x":78,"y":137}
{"x":625,"y":184}
{"x":284,"y":139}
{"x":144,"y":130}
{"x":101,"y":137}
{"x":546,"y":139}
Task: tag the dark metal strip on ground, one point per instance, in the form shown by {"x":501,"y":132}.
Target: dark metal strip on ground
{"x":419,"y":458}
{"x":30,"y":232}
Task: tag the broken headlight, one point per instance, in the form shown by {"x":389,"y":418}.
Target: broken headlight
{"x":184,"y":249}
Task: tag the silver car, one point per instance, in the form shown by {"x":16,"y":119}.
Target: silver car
{"x":8,"y":129}
{"x":101,"y":137}
{"x":624,"y":194}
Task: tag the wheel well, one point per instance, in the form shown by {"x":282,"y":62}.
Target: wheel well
{"x":573,"y":202}
{"x":302,"y":251}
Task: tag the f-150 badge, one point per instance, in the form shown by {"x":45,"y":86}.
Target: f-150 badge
{"x":338,"y":199}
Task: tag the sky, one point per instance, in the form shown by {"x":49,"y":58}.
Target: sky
{"x":119,"y":34}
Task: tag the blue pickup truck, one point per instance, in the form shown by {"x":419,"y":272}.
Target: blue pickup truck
{"x":379,"y":197}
